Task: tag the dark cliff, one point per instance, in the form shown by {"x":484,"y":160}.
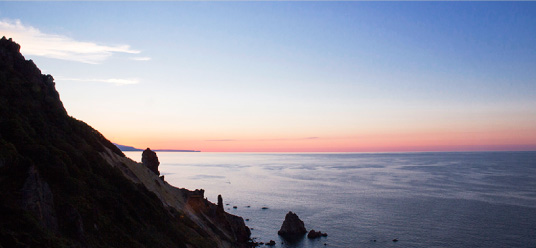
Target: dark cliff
{"x":63,"y":184}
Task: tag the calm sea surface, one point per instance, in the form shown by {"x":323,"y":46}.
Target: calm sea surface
{"x":473,"y":199}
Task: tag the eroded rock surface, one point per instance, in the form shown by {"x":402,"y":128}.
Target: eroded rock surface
{"x":38,"y":200}
{"x":316,"y":234}
{"x":149,"y":159}
{"x":292,"y":226}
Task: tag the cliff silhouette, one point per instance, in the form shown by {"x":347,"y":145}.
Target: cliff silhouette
{"x":63,"y":184}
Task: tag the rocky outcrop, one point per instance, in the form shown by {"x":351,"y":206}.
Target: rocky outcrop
{"x":37,"y":198}
{"x":150,"y":160}
{"x":219,"y":206}
{"x":240,"y":231}
{"x":316,"y":234}
{"x":196,"y":200}
{"x":63,"y":184}
{"x":292,"y":226}
{"x":229,"y":229}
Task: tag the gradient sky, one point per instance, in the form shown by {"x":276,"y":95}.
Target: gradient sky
{"x":290,"y":76}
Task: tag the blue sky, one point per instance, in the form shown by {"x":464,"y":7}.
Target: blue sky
{"x":359,"y":76}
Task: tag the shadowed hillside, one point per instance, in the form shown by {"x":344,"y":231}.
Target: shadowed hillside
{"x":62,"y":184}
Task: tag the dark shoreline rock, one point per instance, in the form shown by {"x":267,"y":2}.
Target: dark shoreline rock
{"x":316,"y":234}
{"x":292,"y":226}
{"x":219,"y":206}
{"x":150,"y":160}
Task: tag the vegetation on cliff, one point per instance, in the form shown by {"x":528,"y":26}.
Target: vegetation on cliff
{"x":57,"y":189}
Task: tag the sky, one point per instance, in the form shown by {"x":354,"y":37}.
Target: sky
{"x":290,"y":76}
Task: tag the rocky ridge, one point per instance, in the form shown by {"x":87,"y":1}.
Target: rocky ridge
{"x":63,"y":184}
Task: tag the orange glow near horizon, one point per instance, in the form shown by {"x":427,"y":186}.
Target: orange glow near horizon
{"x":335,"y":78}
{"x":521,"y":140}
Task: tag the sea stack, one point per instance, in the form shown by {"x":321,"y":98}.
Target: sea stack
{"x":219,"y":207}
{"x":150,"y":160}
{"x":292,"y":226}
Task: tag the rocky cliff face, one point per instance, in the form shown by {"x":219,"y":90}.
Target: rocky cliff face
{"x":38,"y":200}
{"x":62,"y":184}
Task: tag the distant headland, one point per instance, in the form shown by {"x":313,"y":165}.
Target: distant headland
{"x":134,"y":149}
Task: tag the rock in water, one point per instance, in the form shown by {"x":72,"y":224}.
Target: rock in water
{"x":149,"y":159}
{"x":316,"y":234}
{"x":292,"y":226}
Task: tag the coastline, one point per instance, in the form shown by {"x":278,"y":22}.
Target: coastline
{"x":63,"y":184}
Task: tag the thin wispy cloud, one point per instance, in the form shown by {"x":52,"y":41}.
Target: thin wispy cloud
{"x":283,"y":139}
{"x":141,"y":58}
{"x":116,"y":81}
{"x":35,"y":42}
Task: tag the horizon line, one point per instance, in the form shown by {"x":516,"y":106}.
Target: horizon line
{"x":433,"y":151}
{"x":407,"y":149}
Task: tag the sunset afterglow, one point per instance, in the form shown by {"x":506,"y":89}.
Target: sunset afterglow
{"x":290,"y":76}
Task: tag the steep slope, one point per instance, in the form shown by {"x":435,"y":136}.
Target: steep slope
{"x":62,"y":184}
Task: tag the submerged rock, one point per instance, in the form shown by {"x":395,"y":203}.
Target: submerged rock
{"x":150,"y":160}
{"x":292,"y":226}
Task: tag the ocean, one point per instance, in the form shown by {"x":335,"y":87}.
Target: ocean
{"x":458,"y":199}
